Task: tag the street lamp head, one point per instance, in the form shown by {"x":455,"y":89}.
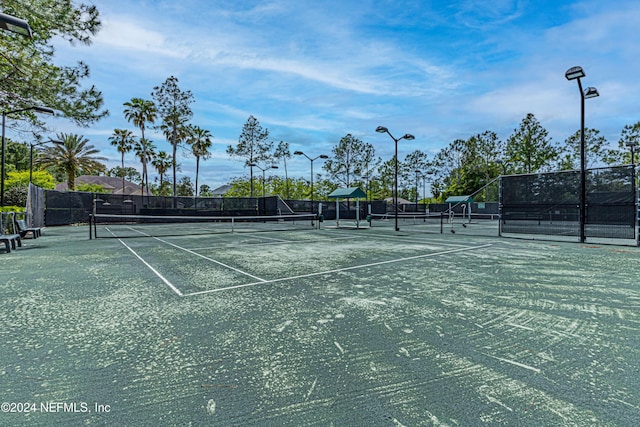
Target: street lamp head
{"x":15,"y":25}
{"x":574,"y":73}
{"x":323,"y":156}
{"x":408,"y":137}
{"x":253,"y":164}
{"x":298,"y":153}
{"x":44,"y":110}
{"x":382,"y":129}
{"x":274,"y":166}
{"x":56,"y":141}
{"x":591,"y":92}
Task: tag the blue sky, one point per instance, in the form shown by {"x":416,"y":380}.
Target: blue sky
{"x":313,"y":71}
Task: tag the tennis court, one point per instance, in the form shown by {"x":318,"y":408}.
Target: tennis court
{"x":330,"y":326}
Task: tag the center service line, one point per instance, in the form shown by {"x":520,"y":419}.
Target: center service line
{"x":168,"y":283}
{"x":338,"y":270}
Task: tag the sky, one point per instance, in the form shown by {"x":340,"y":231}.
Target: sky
{"x":313,"y":71}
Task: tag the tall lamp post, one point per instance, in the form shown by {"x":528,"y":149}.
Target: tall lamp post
{"x":576,"y":73}
{"x":53,"y":141}
{"x":424,"y":188}
{"x":311,"y":159}
{"x":408,"y":137}
{"x":43,"y":110}
{"x":264,"y":194}
{"x":632,"y":146}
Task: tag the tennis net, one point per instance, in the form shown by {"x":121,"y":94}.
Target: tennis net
{"x":122,"y":226}
{"x":441,"y":222}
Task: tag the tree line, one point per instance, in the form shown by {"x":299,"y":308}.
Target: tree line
{"x":463,"y":167}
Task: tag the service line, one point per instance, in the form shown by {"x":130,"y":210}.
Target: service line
{"x":338,"y":270}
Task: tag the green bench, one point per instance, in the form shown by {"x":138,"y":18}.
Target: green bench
{"x":8,"y":235}
{"x":23,"y":229}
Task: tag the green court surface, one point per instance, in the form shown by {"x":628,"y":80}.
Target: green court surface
{"x":330,"y":327}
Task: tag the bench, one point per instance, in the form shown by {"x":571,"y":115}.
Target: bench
{"x":8,"y":236}
{"x":23,"y":229}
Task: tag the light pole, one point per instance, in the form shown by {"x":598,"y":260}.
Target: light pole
{"x":311,"y":159}
{"x":264,"y":206}
{"x":408,"y":137}
{"x":424,"y":189}
{"x":43,"y":110}
{"x":53,"y":141}
{"x":576,"y":73}
{"x":632,"y":146}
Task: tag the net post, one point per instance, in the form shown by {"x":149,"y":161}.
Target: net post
{"x":91,"y":220}
{"x":441,"y":222}
{"x":232,"y":224}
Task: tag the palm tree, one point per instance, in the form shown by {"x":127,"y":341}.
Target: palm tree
{"x":122,"y":139}
{"x":75,"y":156}
{"x":145,"y":151}
{"x":162,"y":162}
{"x":200,"y":141}
{"x":176,"y":130}
{"x":140,"y":111}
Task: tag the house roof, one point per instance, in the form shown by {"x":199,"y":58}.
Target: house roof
{"x":347,"y":193}
{"x":221,"y":191}
{"x":111,"y":184}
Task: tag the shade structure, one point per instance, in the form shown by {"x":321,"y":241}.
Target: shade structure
{"x":348,"y":193}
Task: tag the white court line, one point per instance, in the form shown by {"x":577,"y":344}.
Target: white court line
{"x":199,"y":255}
{"x":283,"y":242}
{"x":338,"y":270}
{"x":427,"y":240}
{"x":156,"y":272}
{"x":261,"y":280}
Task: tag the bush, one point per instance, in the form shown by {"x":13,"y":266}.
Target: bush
{"x":16,"y":195}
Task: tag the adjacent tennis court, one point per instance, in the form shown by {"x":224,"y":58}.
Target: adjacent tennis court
{"x":330,"y":326}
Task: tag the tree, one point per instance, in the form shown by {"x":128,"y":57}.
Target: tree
{"x":283,"y":152}
{"x":415,"y":161}
{"x":595,"y":150}
{"x":128,"y":173}
{"x":205,"y":191}
{"x":122,"y":139}
{"x":27,"y":66}
{"x":175,"y":111}
{"x":162,"y":162}
{"x":90,"y":187}
{"x":529,"y":149}
{"x":145,"y":150}
{"x":351,"y":157}
{"x":75,"y":156}
{"x":42,"y":179}
{"x":448,"y":164}
{"x":185,"y":187}
{"x":200,"y":141}
{"x":483,"y":152}
{"x":17,"y":155}
{"x":252,"y":146}
{"x":140,"y":111}
{"x":629,"y":141}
